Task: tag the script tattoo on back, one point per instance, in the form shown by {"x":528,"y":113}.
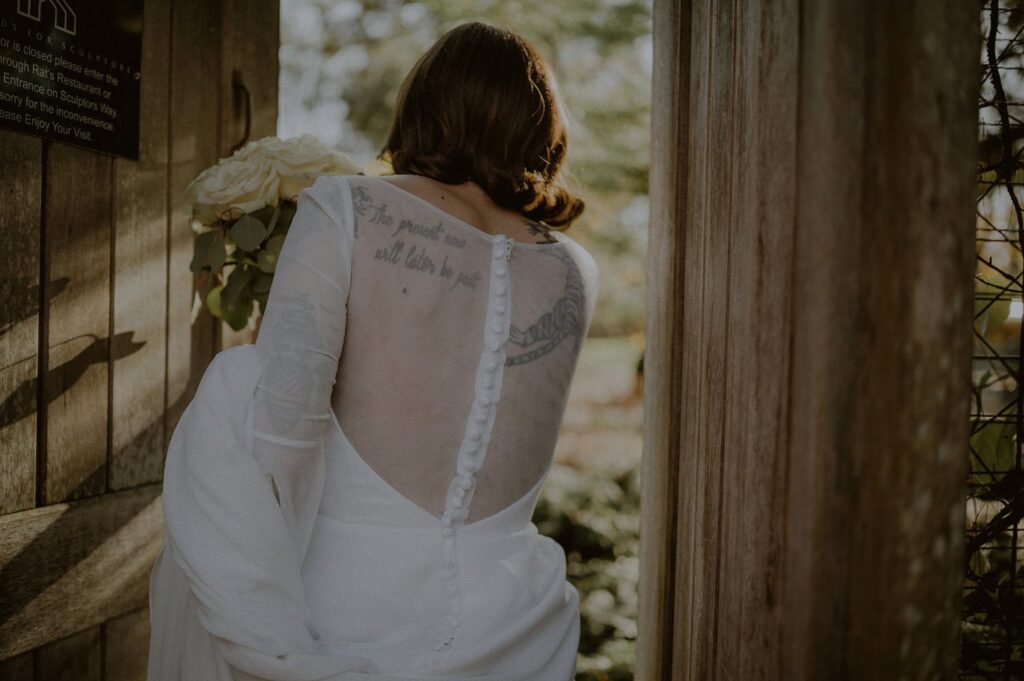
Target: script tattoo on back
{"x":565,"y":320}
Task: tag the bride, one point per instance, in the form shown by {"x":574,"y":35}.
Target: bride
{"x":351,"y":496}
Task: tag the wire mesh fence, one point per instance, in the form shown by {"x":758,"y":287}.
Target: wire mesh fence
{"x":993,"y":617}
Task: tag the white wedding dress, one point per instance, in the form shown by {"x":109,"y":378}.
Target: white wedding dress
{"x":351,"y":497}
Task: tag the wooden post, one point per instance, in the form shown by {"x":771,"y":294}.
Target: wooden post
{"x":809,"y":339}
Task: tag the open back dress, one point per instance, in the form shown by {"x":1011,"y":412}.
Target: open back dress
{"x":351,"y":497}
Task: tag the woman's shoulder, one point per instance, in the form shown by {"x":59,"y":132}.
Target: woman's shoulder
{"x":583,"y":257}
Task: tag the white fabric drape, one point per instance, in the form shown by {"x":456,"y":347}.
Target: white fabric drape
{"x":244,"y":476}
{"x":305,"y":482}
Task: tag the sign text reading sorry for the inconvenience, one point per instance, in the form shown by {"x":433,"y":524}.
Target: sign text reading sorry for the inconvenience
{"x":70,"y":71}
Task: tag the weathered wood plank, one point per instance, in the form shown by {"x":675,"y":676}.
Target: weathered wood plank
{"x":77,"y":255}
{"x":195,"y":97}
{"x":18,"y":668}
{"x":140,"y":274}
{"x":820,"y":478}
{"x":660,"y":479}
{"x":248,"y":27}
{"x":70,"y":566}
{"x":78,"y":657}
{"x":882,"y":339}
{"x":687,"y":595}
{"x":757,"y":383}
{"x":824,"y":375}
{"x":707,"y":255}
{"x":19,"y":319}
{"x":126,"y":640}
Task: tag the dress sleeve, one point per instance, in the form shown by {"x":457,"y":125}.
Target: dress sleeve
{"x":299,"y":344}
{"x":244,"y":476}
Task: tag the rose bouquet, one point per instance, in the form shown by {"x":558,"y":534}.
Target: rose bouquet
{"x":242,"y":208}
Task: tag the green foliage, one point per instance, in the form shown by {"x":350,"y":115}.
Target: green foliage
{"x":596,"y":520}
{"x":209,"y":253}
{"x":242,"y":254}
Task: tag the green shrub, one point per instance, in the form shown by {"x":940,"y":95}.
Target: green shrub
{"x":595,"y":517}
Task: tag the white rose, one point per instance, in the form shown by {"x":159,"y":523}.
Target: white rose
{"x":262,"y":173}
{"x":300,"y":160}
{"x":232,"y":187}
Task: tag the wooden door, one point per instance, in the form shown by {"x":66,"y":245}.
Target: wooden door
{"x":98,"y":355}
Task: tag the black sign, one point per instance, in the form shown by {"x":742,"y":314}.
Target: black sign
{"x":70,"y":70}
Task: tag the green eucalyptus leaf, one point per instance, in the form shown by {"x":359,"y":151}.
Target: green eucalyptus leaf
{"x":284,"y":218}
{"x":234,"y":290}
{"x":237,"y":313}
{"x":213,"y":301}
{"x":261,"y":288}
{"x":271,"y":222}
{"x":266,"y":260}
{"x":261,"y":282}
{"x":264,"y":214}
{"x":209,"y":252}
{"x":248,"y":232}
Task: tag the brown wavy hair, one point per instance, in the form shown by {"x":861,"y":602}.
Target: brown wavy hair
{"x":481,"y":105}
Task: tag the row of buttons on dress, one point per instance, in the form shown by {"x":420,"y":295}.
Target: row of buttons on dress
{"x":457,"y":505}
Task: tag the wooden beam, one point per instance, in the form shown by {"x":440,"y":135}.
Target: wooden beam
{"x":18,"y":668}
{"x":194,"y":102}
{"x":126,"y":642}
{"x":19,"y":319}
{"x":70,"y":566}
{"x":881,"y":339}
{"x":77,"y":286}
{"x":662,"y":356}
{"x":810,"y":396}
{"x":139,"y":284}
{"x":78,"y":657}
{"x":760,"y":225}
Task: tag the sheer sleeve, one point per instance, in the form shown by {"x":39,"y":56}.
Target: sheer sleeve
{"x":299,"y":345}
{"x":244,"y":477}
